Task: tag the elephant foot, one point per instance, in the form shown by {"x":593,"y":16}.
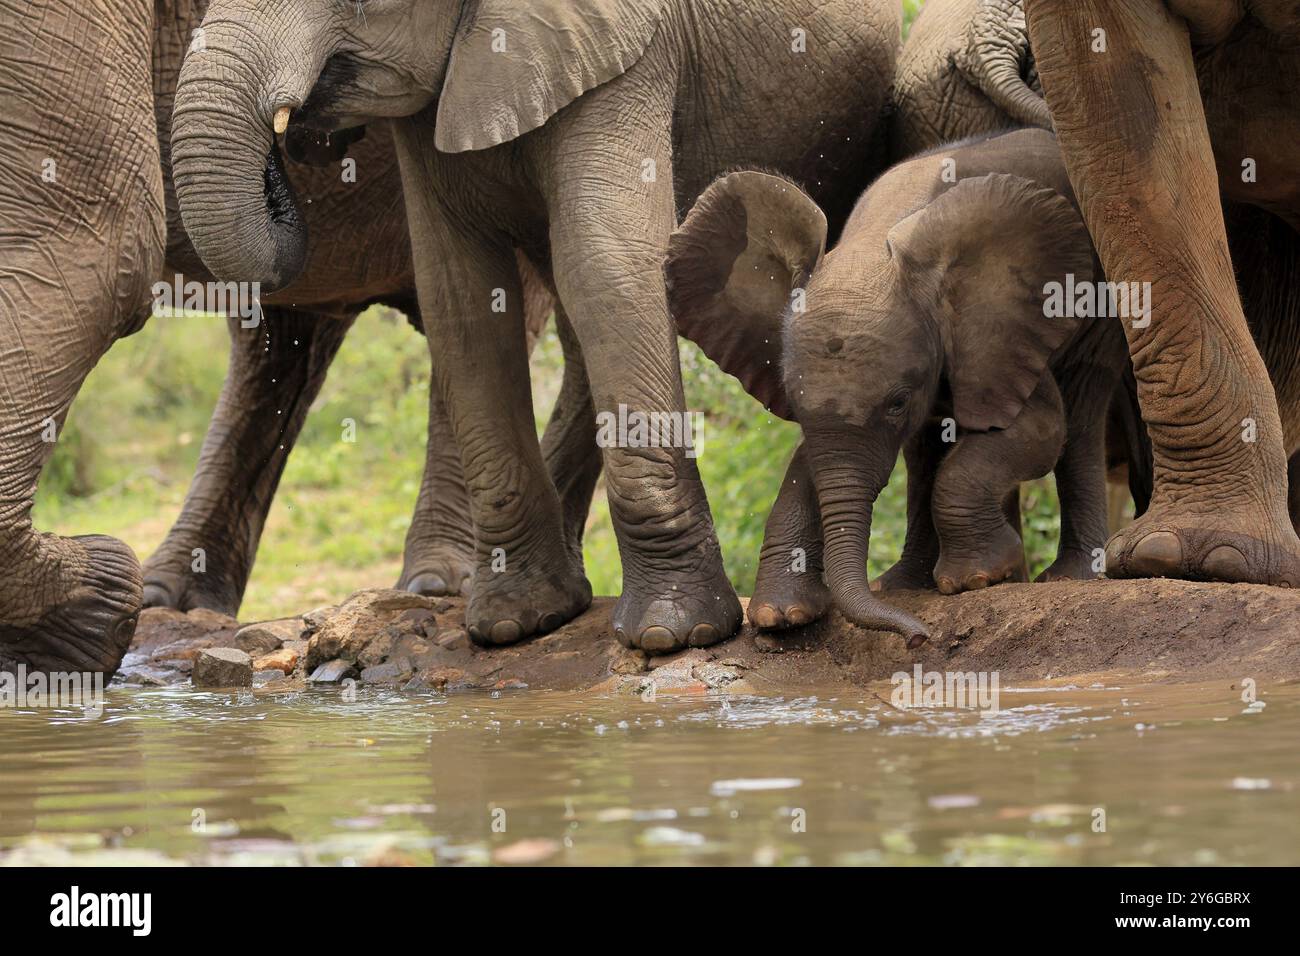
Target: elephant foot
{"x":690,"y":610}
{"x":1000,"y":559}
{"x":507,"y":607}
{"x":1229,"y":547}
{"x":90,"y":628}
{"x":439,"y":571}
{"x":905,"y":575}
{"x":171,"y":582}
{"x":784,"y":598}
{"x":1071,"y":564}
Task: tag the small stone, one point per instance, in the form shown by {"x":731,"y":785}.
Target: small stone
{"x":437,"y":678}
{"x":263,"y":678}
{"x":510,"y":683}
{"x":331,"y":672}
{"x":313,"y":621}
{"x":416,"y":617}
{"x":391,"y":672}
{"x":223,"y":667}
{"x":267,"y":636}
{"x":714,"y":675}
{"x":630,"y":662}
{"x":284,"y":660}
{"x":454,"y":640}
{"x":768,"y":644}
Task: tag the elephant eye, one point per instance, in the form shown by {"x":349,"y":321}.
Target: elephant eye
{"x":897,"y":402}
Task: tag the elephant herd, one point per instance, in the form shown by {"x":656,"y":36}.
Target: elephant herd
{"x":872,"y":236}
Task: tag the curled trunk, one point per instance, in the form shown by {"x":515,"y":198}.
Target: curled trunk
{"x":235,"y":199}
{"x":997,"y":59}
{"x":848,"y":484}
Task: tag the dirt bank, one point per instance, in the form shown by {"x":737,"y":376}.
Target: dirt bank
{"x":1152,"y":630}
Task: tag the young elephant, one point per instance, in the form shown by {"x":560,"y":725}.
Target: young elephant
{"x":925,"y":329}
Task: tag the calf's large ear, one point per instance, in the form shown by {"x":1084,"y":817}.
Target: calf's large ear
{"x":516,"y":63}
{"x":982,"y":257}
{"x":750,"y":240}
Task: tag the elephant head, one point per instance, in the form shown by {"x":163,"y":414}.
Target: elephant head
{"x":497,"y":69}
{"x":858,"y":344}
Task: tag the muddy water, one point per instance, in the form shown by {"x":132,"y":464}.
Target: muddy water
{"x":1183,"y":774}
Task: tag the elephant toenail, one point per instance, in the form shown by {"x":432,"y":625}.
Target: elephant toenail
{"x":702,"y":635}
{"x":977,"y":582}
{"x":764,"y":616}
{"x":798,"y":615}
{"x":657,"y":639}
{"x":1226,"y":563}
{"x":1157,"y":555}
{"x":621,"y":636}
{"x":549,"y":622}
{"x":427,"y":584}
{"x":476,"y":634}
{"x":505,"y":632}
{"x":946,"y":586}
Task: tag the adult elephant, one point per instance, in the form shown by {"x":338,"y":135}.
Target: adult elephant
{"x":574,"y":129}
{"x":1159,"y":105}
{"x":91,"y":223}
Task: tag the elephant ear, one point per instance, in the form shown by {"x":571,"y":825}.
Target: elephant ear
{"x":982,"y":257}
{"x":516,"y":63}
{"x":750,"y":240}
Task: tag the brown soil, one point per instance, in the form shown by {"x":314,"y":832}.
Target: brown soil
{"x":1150,"y":630}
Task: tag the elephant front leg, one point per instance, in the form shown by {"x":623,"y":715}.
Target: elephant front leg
{"x":1122,"y":85}
{"x":276,"y":370}
{"x":914,"y":569}
{"x":789,"y":590}
{"x":979,"y":542}
{"x":612,"y":210}
{"x":525,"y":580}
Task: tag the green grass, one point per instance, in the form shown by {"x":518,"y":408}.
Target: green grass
{"x":124,"y":462}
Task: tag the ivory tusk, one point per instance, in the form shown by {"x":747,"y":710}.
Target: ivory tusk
{"x":281,"y":119}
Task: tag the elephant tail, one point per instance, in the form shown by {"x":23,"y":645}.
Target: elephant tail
{"x":997,"y":59}
{"x":1126,"y":415}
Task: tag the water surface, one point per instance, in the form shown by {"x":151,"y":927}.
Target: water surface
{"x":1184,"y":774}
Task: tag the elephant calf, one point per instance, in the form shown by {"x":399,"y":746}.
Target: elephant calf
{"x":925,"y":328}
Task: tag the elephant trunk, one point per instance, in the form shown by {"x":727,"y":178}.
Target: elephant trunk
{"x":236,"y":202}
{"x":847,"y":487}
{"x":997,"y":46}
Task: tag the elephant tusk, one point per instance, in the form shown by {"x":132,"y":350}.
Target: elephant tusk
{"x":281,"y":119}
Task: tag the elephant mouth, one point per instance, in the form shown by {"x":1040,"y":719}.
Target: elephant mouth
{"x":314,"y":147}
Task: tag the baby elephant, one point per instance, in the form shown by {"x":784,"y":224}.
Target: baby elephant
{"x":927,"y":328}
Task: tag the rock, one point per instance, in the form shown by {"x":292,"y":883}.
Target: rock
{"x":417,"y":617}
{"x":630,"y":662}
{"x":714,"y":675}
{"x":378,"y":650}
{"x":453,"y":640}
{"x":313,"y":621}
{"x":395,"y":671}
{"x":223,"y":667}
{"x":267,"y":636}
{"x":768,"y":644}
{"x":263,"y":678}
{"x":510,"y":683}
{"x":363,"y":618}
{"x":331,"y":672}
{"x":284,"y":660}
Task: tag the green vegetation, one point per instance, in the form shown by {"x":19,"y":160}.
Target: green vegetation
{"x":125,"y":459}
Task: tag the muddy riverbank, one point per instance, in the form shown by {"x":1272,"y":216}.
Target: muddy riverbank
{"x":1152,"y":630}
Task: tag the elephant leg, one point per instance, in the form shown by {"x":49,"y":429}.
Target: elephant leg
{"x":525,"y":580}
{"x":609,"y":238}
{"x":439,"y":554}
{"x":978,"y":544}
{"x":789,"y":590}
{"x":1081,"y":488}
{"x":276,"y":370}
{"x":83,"y":235}
{"x":1138,"y":153}
{"x":914,"y":569}
{"x":569,"y":444}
